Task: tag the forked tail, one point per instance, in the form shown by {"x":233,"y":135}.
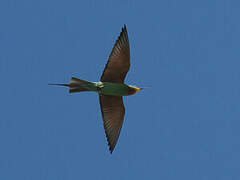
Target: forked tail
{"x":75,"y":85}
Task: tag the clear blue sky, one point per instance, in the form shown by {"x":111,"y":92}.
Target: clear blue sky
{"x":185,"y":126}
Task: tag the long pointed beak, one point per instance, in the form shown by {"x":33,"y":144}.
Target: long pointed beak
{"x":145,"y":87}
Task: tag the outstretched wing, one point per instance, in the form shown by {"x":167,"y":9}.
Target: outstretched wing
{"x":113,"y":111}
{"x":119,"y":60}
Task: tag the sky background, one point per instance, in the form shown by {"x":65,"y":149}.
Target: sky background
{"x":184,"y":126}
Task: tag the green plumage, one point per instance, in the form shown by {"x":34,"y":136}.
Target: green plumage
{"x":105,"y":88}
{"x":113,"y":89}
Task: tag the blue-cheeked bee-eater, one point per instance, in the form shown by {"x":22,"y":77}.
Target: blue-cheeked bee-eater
{"x":110,"y":88}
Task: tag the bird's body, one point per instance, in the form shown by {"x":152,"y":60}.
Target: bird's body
{"x":118,"y":89}
{"x":106,"y":88}
{"x":110,"y":88}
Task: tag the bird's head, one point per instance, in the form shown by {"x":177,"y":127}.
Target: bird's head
{"x":133,"y":89}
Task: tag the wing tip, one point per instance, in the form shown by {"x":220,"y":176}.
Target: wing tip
{"x":124,"y":28}
{"x":111,"y":150}
{"x":111,"y":145}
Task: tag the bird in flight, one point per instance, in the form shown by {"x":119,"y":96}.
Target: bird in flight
{"x":110,"y":88}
